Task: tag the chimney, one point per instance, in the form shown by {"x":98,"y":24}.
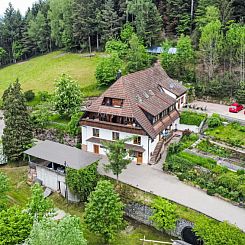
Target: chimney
{"x":119,"y":74}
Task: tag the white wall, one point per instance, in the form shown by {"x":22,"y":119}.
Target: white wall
{"x":50,"y":179}
{"x":170,"y":93}
{"x":87,"y":132}
{"x":192,"y":128}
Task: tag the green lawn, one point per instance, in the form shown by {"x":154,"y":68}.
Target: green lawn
{"x":20,"y":192}
{"x":39,"y":74}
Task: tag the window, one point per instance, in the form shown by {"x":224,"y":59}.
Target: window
{"x":137,"y":140}
{"x":115,"y":136}
{"x":96,"y":132}
{"x":133,"y":154}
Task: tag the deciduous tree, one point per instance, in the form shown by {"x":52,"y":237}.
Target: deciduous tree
{"x":104,"y":211}
{"x":68,"y":96}
{"x":117,"y":155}
{"x":15,"y":226}
{"x":49,"y":232}
{"x":38,"y":206}
{"x":164,"y":214}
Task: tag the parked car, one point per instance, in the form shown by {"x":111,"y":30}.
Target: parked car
{"x":235,"y":107}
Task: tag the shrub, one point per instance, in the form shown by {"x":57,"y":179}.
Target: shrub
{"x":164,"y":214}
{"x":43,"y":95}
{"x":191,"y":118}
{"x":29,"y":95}
{"x":214,"y":121}
{"x":73,"y":126}
{"x":115,"y":46}
{"x":217,"y":233}
{"x":83,"y":181}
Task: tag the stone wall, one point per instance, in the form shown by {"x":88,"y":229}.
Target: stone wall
{"x":142,"y":213}
{"x":56,"y":135}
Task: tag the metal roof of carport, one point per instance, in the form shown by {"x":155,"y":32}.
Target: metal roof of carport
{"x":59,"y":153}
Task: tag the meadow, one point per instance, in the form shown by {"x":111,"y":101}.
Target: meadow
{"x":39,"y":73}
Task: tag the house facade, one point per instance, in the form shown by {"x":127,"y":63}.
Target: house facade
{"x":142,"y":106}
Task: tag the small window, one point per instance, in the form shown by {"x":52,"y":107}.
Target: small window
{"x":115,"y":135}
{"x":137,"y":140}
{"x":133,"y":154}
{"x":96,"y":132}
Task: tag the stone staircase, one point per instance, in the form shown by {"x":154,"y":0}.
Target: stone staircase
{"x":157,"y":152}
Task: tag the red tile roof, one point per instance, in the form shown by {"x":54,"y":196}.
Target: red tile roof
{"x":141,"y":91}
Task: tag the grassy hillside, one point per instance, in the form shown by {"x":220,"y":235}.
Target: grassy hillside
{"x":39,"y":73}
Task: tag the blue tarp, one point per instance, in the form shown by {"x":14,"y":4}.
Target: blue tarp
{"x":159,"y":50}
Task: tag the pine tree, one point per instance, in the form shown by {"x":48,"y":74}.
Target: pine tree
{"x":104,"y":211}
{"x":17,"y":134}
{"x":109,"y":21}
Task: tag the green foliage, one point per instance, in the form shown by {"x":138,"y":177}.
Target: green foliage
{"x":4,"y":188}
{"x":241,"y":93}
{"x":40,"y":117}
{"x":207,"y":146}
{"x":50,"y":232}
{"x":104,"y":211}
{"x":233,"y":134}
{"x":213,"y":178}
{"x":117,"y":156}
{"x":73,"y":127}
{"x":137,"y":58}
{"x":116,"y":46}
{"x":216,"y":233}
{"x":68,"y":96}
{"x":214,"y":121}
{"x":126,"y":33}
{"x":180,"y":65}
{"x":191,"y":118}
{"x":210,"y":46}
{"x":38,"y":206}
{"x":107,"y":69}
{"x":164,"y":214}
{"x":15,"y":226}
{"x":17,"y":134}
{"x":29,"y":95}
{"x":146,"y":19}
{"x":83,"y":181}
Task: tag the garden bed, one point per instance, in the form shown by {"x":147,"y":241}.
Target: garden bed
{"x":192,"y":118}
{"x":207,"y":174}
{"x":233,"y":134}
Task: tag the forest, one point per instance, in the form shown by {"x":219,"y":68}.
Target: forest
{"x":209,"y":36}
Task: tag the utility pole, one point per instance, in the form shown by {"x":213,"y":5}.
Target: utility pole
{"x":192,"y":13}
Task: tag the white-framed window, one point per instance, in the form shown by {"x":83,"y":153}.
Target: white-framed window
{"x":96,"y":132}
{"x":137,"y":140}
{"x":115,"y":135}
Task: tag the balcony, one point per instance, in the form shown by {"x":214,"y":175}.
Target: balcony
{"x":128,"y":127}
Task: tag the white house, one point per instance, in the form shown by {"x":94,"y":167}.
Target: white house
{"x":143,"y":104}
{"x":48,"y":161}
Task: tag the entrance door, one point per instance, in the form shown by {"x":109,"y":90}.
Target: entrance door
{"x":96,"y":149}
{"x":139,"y":158}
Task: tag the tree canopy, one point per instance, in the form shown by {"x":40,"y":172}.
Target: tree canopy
{"x":104,"y":211}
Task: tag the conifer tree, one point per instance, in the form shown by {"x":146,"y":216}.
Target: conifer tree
{"x":109,"y":21}
{"x":17,"y":134}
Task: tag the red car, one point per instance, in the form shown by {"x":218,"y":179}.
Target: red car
{"x":235,"y":107}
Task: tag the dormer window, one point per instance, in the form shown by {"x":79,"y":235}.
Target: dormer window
{"x":114,"y":102}
{"x":160,"y":88}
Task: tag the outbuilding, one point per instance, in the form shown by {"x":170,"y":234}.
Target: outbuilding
{"x":48,"y":161}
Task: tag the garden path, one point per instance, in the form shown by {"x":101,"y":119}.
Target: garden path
{"x":152,"y":180}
